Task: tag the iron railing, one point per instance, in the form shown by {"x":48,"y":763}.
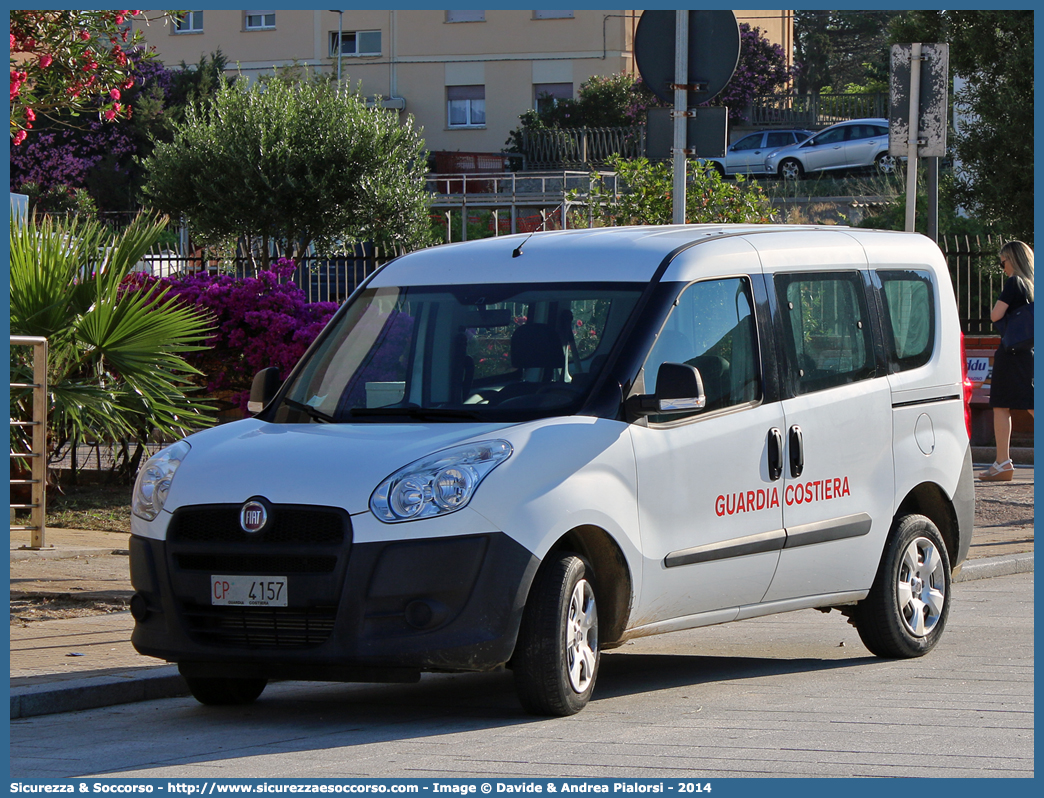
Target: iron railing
{"x":323,"y":279}
{"x":977,"y":279}
{"x":582,"y":147}
{"x":815,"y":111}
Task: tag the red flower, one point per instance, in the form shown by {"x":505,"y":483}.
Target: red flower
{"x":85,"y":35}
{"x":45,"y":61}
{"x":128,"y":85}
{"x":30,"y":114}
{"x":19,"y":137}
{"x":114,"y":94}
{"x":110,"y":115}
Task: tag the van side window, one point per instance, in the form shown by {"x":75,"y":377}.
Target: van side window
{"x":712,"y":328}
{"x":828,"y":339}
{"x":910,"y":314}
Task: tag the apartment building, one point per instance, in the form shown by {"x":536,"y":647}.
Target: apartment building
{"x":465,"y":76}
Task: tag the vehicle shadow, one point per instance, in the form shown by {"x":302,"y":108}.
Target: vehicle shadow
{"x":297,"y":716}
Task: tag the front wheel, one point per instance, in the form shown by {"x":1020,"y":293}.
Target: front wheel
{"x":905,"y":612}
{"x":556,"y":658}
{"x":217,"y":691}
{"x":791,"y":169}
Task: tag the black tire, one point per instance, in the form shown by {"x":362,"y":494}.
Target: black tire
{"x":225,"y":692}
{"x":556,"y":657}
{"x":905,"y":613}
{"x":791,"y":169}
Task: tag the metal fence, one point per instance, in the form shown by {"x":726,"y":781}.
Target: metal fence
{"x":814,"y":111}
{"x":323,"y":279}
{"x":514,"y":202}
{"x":977,"y":279}
{"x":582,"y":147}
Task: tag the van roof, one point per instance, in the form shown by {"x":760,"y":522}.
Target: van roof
{"x":604,"y":254}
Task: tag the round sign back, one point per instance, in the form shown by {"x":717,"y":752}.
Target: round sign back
{"x":714,"y":45}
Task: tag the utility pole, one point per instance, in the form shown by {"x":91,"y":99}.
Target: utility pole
{"x":340,"y":44}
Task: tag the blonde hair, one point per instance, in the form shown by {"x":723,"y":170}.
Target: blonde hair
{"x":1021,"y":258}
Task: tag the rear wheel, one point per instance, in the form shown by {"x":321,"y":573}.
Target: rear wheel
{"x":791,"y":169}
{"x":222,"y":691}
{"x":905,"y":612}
{"x":556,"y":658}
{"x":887,"y":164}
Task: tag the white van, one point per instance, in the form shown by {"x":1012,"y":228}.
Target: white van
{"x":524,"y":451}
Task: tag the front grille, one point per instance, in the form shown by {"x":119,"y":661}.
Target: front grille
{"x":256,"y":563}
{"x":287,"y":524}
{"x":259,"y":627}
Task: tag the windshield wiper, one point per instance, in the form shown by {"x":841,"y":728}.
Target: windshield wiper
{"x":419,"y":412}
{"x":315,"y":413}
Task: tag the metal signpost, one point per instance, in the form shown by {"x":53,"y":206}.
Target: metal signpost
{"x":917,"y":117}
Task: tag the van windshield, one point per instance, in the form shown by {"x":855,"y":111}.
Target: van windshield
{"x":496,"y":352}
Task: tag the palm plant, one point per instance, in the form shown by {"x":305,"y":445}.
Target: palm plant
{"x":115,"y":367}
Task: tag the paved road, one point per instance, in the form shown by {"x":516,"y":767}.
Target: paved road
{"x":792,"y":695}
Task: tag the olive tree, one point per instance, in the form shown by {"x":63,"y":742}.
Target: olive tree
{"x":291,"y":164}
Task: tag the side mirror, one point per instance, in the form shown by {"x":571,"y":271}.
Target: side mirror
{"x":263,"y":389}
{"x":679,"y":389}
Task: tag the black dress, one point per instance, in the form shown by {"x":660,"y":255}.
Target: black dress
{"x":1011,"y":385}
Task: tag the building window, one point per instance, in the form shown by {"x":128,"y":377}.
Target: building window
{"x":260,"y":20}
{"x":547,"y":95}
{"x":466,"y":106}
{"x":356,"y":42}
{"x":191,"y":22}
{"x":468,"y":15}
{"x":553,"y":14}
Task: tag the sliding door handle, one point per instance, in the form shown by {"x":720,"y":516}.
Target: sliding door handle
{"x":797,"y":451}
{"x":775,"y":454}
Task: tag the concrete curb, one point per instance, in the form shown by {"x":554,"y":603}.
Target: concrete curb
{"x":91,"y":692}
{"x":164,"y":681}
{"x":1020,"y":455}
{"x":995,"y":566}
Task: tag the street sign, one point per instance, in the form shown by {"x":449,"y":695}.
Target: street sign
{"x":714,"y":46}
{"x":932,"y":108}
{"x":707,"y":133}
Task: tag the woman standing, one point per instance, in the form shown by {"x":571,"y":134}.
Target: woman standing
{"x":1011,"y":386}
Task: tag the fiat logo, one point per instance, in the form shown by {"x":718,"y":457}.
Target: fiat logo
{"x":253,"y":516}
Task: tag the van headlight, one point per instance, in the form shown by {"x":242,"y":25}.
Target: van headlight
{"x":438,"y":484}
{"x":153,"y":482}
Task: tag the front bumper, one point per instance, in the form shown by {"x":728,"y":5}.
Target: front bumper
{"x":356,"y":612}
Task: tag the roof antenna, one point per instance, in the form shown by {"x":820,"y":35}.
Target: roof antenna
{"x":518,"y":250}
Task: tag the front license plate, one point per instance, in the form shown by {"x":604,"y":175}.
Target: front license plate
{"x":248,"y":591}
